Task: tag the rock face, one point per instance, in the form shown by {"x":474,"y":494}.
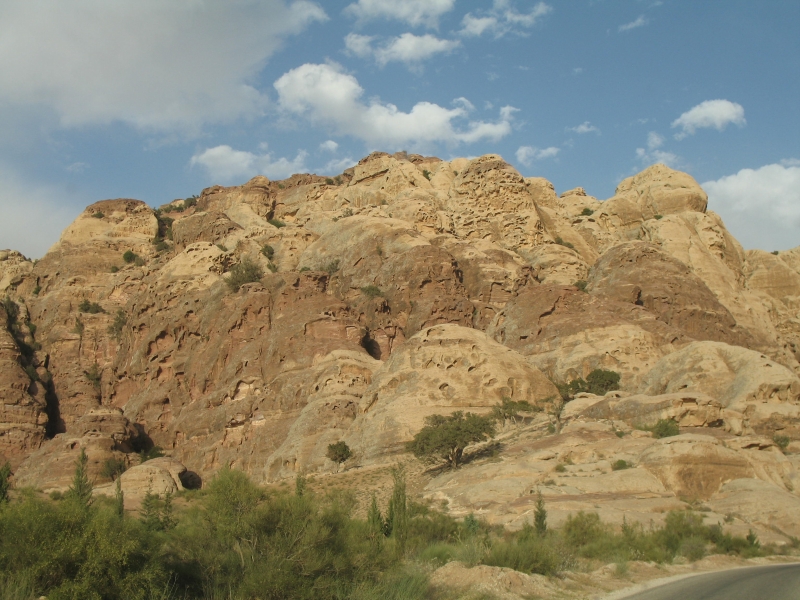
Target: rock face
{"x":409,"y":286}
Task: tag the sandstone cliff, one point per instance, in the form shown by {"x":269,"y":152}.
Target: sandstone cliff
{"x":408,"y":286}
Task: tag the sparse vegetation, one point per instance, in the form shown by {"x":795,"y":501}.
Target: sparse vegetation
{"x":581,"y":285}
{"x":150,"y":454}
{"x":599,"y":382}
{"x":561,"y":242}
{"x":446,"y":438}
{"x":426,"y":174}
{"x":129,"y":256}
{"x":79,"y":327}
{"x":36,"y":290}
{"x":775,"y":252}
{"x":268,"y":251}
{"x":98,"y":215}
{"x":94,"y":375}
{"x":658,"y":217}
{"x":663,"y":428}
{"x":304,"y":269}
{"x":276,"y":223}
{"x":371,"y":291}
{"x":92,"y":308}
{"x":113,"y":468}
{"x":246,"y":271}
{"x":190,"y":202}
{"x":118,"y":324}
{"x":222,"y":247}
{"x":587,"y":212}
{"x":510,"y":410}
{"x":330,"y":267}
{"x":272,"y":267}
{"x":620,"y":465}
{"x":782,"y":441}
{"x":114,"y":269}
{"x":329,"y":181}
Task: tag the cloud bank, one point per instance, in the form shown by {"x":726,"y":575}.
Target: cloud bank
{"x":502,"y":19}
{"x":152,"y":64}
{"x":224,"y":164}
{"x":326,"y":96}
{"x":716,"y":114}
{"x":408,"y":48}
{"x":527,"y":155}
{"x":413,"y":12}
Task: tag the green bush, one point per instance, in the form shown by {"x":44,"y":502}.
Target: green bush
{"x":98,"y":215}
{"x":509,"y":410}
{"x":330,"y":267}
{"x":114,"y":269}
{"x":276,"y":223}
{"x":426,"y":174}
{"x":113,"y":468}
{"x":129,"y":256}
{"x":561,"y":242}
{"x":246,"y":271}
{"x":268,"y":251}
{"x":329,"y":181}
{"x":782,"y":441}
{"x":664,"y":428}
{"x":36,"y":290}
{"x":620,"y":465}
{"x":190,"y":202}
{"x":272,"y":267}
{"x":587,"y":212}
{"x":775,"y":252}
{"x":118,"y":324}
{"x":371,"y":291}
{"x":92,"y":308}
{"x":339,"y":452}
{"x":94,"y":375}
{"x":598,"y":382}
{"x":581,"y":285}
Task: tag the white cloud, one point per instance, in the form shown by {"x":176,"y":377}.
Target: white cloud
{"x":585,"y":127}
{"x":153,"y":64}
{"x":407,"y":48}
{"x":327,"y":96}
{"x":528,"y":154}
{"x":223,"y":163}
{"x":329,"y":146}
{"x":711,"y":113}
{"x":33,"y":207}
{"x":639,"y":22}
{"x":337,"y":166}
{"x":761,"y":206}
{"x":653,"y":154}
{"x":413,"y":12}
{"x":501,"y":19}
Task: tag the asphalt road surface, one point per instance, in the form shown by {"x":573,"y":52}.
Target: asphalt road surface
{"x":773,"y":582}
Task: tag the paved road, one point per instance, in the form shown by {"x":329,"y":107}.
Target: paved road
{"x":773,"y":582}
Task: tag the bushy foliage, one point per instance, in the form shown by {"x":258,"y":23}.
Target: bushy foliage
{"x":664,"y":428}
{"x":445,"y":438}
{"x":561,"y":242}
{"x":276,"y":223}
{"x":599,"y":382}
{"x":620,"y":465}
{"x":587,"y":212}
{"x":782,"y":441}
{"x":12,"y":310}
{"x":129,"y":256}
{"x":92,"y":308}
{"x":113,"y":468}
{"x":150,"y":453}
{"x":509,"y":410}
{"x":246,"y":271}
{"x":581,"y":285}
{"x":5,"y":484}
{"x":371,"y":291}
{"x":98,"y":215}
{"x":268,"y":251}
{"x":330,"y":267}
{"x":118,"y":324}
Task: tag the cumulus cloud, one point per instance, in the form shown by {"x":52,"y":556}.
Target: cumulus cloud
{"x":329,"y":146}
{"x":336,"y":166}
{"x":585,"y":127}
{"x":717,"y":114}
{"x":408,"y":48}
{"x":502,"y":19}
{"x":327,"y":96}
{"x":225,"y":164}
{"x":760,"y":206}
{"x":527,"y":155}
{"x":152,"y":64}
{"x":27,"y":207}
{"x":654,"y":154}
{"x":639,"y":22}
{"x":413,"y":12}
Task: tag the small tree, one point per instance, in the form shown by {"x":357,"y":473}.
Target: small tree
{"x":113,"y":468}
{"x":374,"y":522}
{"x":117,"y":326}
{"x":168,"y":520}
{"x":398,"y":507}
{"x":81,"y":489}
{"x":339,"y":453}
{"x":509,"y":410}
{"x":129,"y":256}
{"x":119,"y":499}
{"x":445,"y":438}
{"x":540,"y":515}
{"x":5,"y":484}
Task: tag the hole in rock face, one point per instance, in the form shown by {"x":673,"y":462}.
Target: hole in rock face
{"x":371,"y":346}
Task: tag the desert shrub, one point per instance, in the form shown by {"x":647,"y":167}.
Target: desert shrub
{"x":5,"y":484}
{"x":114,"y":269}
{"x":658,"y":217}
{"x":36,"y":290}
{"x":79,"y":327}
{"x":509,"y":410}
{"x":113,"y":468}
{"x":94,"y":375}
{"x":529,"y":554}
{"x":12,"y":310}
{"x":98,"y":215}
{"x":775,"y":252}
{"x":601,"y":381}
{"x":30,"y":371}
{"x":138,"y":261}
{"x":587,"y":212}
{"x":276,"y":223}
{"x":426,"y":174}
{"x":330,"y":267}
{"x":664,"y":428}
{"x":118,"y":324}
{"x":371,"y":291}
{"x":150,"y":454}
{"x":246,"y":271}
{"x":304,"y":269}
{"x":620,"y":465}
{"x":328,"y":181}
{"x":190,"y":202}
{"x":272,"y":267}
{"x":561,"y":242}
{"x":581,"y":285}
{"x":92,"y":308}
{"x":782,"y":441}
{"x":222,"y":247}
{"x":268,"y":251}
{"x":129,"y":256}
{"x":160,"y":244}
{"x":446,"y":438}
{"x":561,"y":468}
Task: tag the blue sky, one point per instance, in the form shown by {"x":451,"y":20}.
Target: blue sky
{"x":156,"y":100}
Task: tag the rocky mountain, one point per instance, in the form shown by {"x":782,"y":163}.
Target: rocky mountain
{"x":410,"y":286}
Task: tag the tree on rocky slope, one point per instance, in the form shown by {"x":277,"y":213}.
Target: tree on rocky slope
{"x":445,"y":438}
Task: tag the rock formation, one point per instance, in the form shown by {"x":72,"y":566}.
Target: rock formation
{"x":409,"y":286}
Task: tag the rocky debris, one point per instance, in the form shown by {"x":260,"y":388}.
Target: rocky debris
{"x":159,"y":476}
{"x":14,"y":267}
{"x":498,"y":582}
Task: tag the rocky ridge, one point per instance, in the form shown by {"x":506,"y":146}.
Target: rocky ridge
{"x":405,"y":287}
